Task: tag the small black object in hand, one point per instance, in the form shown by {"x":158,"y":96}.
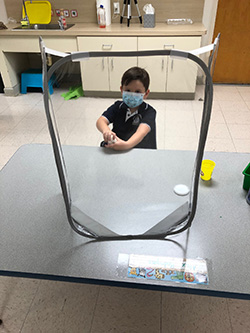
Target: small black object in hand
{"x":103,"y":144}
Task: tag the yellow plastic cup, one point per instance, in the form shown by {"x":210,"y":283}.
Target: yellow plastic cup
{"x":207,"y":167}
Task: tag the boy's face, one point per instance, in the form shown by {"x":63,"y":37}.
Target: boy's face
{"x":135,"y":86}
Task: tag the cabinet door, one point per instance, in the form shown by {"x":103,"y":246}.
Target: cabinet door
{"x":94,"y":72}
{"x":30,"y":44}
{"x":104,"y":74}
{"x":166,"y":73}
{"x":156,"y":66}
{"x":118,"y":65}
{"x":181,"y":73}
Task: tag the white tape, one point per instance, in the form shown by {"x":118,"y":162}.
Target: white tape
{"x":203,"y":49}
{"x":182,"y":55}
{"x":84,"y":56}
{"x":56,"y":53}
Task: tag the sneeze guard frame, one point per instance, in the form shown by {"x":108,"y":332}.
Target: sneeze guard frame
{"x":181,"y":218}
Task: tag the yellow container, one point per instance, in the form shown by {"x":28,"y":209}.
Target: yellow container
{"x":39,"y":12}
{"x":207,"y":167}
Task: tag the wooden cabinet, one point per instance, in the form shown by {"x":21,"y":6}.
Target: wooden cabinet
{"x":104,"y":74}
{"x":30,"y":44}
{"x":168,"y":74}
{"x":156,"y":66}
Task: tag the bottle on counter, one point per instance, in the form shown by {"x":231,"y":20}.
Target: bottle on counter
{"x":101,"y":17}
{"x":62,"y":20}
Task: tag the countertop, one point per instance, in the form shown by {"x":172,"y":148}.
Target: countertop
{"x":92,"y":29}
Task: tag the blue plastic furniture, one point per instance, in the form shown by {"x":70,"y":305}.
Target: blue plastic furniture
{"x":33,"y":78}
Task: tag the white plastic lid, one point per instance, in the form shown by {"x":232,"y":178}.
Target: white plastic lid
{"x":181,"y":189}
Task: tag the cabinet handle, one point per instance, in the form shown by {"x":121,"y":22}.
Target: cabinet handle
{"x":168,"y":46}
{"x":162,"y":63}
{"x":112,"y":63}
{"x":107,"y":46}
{"x":102,"y":63}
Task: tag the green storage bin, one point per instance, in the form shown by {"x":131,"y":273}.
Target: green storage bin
{"x":246,"y":182}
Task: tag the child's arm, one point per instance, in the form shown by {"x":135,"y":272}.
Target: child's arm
{"x":102,"y":125}
{"x":136,"y":138}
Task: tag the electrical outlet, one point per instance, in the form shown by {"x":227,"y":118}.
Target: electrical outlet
{"x":66,"y":12}
{"x":116,"y":8}
{"x":74,"y":13}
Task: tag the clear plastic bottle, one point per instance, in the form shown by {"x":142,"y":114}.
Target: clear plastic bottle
{"x":101,"y":17}
{"x":62,"y":21}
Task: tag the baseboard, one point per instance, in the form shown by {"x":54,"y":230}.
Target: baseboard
{"x":152,"y":95}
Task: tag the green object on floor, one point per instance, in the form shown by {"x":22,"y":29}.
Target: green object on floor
{"x":246,"y":173}
{"x":73,"y":93}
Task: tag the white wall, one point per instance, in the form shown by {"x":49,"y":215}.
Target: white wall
{"x":209,"y":17}
{"x":3,"y":14}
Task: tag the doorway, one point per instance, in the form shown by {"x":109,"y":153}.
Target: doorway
{"x":233,"y":61}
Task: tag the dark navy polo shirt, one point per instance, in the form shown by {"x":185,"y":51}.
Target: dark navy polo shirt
{"x":116,"y":114}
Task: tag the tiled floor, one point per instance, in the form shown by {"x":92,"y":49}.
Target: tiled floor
{"x":44,"y":306}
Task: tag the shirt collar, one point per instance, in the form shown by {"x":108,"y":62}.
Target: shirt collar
{"x":142,"y":107}
{"x":129,"y":114}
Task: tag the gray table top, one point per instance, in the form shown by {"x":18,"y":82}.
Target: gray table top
{"x":36,"y":240}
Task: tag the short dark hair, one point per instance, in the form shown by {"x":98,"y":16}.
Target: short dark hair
{"x":136,"y":73}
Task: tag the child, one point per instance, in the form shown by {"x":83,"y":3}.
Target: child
{"x":133,"y":120}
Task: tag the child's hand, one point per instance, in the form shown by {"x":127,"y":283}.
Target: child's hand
{"x":119,"y":144}
{"x":109,"y":136}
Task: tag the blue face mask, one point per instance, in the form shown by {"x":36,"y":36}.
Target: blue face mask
{"x":131,"y":99}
